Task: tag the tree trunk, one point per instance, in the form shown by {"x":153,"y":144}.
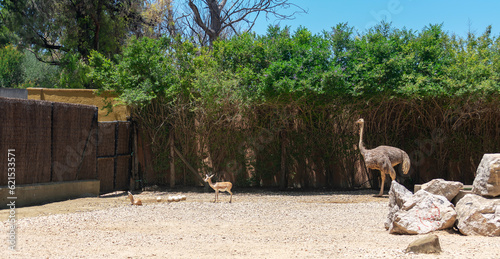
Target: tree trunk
{"x":170,"y":20}
{"x":215,"y":20}
{"x":172,"y":159}
{"x":213,"y":29}
{"x":283,"y":168}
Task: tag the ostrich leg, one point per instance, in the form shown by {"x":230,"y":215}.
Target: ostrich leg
{"x":387,"y":170}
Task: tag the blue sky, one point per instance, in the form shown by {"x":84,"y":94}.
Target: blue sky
{"x":457,"y":16}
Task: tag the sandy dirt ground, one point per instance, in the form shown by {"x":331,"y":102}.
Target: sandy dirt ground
{"x":257,"y":224}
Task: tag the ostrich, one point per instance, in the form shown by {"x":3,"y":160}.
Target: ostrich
{"x":382,"y":158}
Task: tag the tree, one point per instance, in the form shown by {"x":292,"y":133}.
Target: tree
{"x":6,"y":36}
{"x":53,"y":28}
{"x":159,"y":15}
{"x":11,"y":73}
{"x":216,"y":17}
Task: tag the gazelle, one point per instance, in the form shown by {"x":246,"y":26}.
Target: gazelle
{"x":220,"y":186}
{"x":134,"y":201}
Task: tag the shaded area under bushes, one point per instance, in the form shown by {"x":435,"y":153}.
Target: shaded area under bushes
{"x":302,"y":145}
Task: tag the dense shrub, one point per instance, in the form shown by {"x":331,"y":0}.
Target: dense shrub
{"x":278,"y":109}
{"x":11,"y":72}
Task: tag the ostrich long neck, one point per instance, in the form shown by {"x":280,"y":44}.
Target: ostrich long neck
{"x":361,"y":145}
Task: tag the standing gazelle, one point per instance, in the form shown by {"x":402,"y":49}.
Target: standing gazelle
{"x":220,"y":186}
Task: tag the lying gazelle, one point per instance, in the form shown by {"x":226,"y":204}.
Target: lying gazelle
{"x":134,"y":201}
{"x":220,"y":186}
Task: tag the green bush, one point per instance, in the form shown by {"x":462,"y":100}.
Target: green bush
{"x":144,"y":71}
{"x":305,"y":91}
{"x":38,"y":74}
{"x":11,"y":72}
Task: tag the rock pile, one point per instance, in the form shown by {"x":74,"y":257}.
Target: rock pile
{"x":478,"y":216}
{"x":431,"y":207}
{"x":420,"y":213}
{"x":176,"y":198}
{"x":487,"y":181}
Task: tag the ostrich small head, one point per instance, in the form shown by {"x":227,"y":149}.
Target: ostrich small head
{"x":360,"y":121}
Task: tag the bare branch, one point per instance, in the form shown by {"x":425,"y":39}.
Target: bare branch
{"x":253,"y":22}
{"x":215,"y":16}
{"x":222,"y":4}
{"x":197,"y":17}
{"x":53,"y":62}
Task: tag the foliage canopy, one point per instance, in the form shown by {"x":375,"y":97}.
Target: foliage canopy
{"x":280,"y":65}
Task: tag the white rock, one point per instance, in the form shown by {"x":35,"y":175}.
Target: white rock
{"x":424,"y":212}
{"x":398,"y":195}
{"x":487,"y":181}
{"x":478,"y":216}
{"x":448,"y":189}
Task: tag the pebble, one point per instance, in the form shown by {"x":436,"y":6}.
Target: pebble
{"x":261,"y":225}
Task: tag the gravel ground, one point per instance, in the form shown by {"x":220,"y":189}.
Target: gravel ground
{"x":255,"y":225}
